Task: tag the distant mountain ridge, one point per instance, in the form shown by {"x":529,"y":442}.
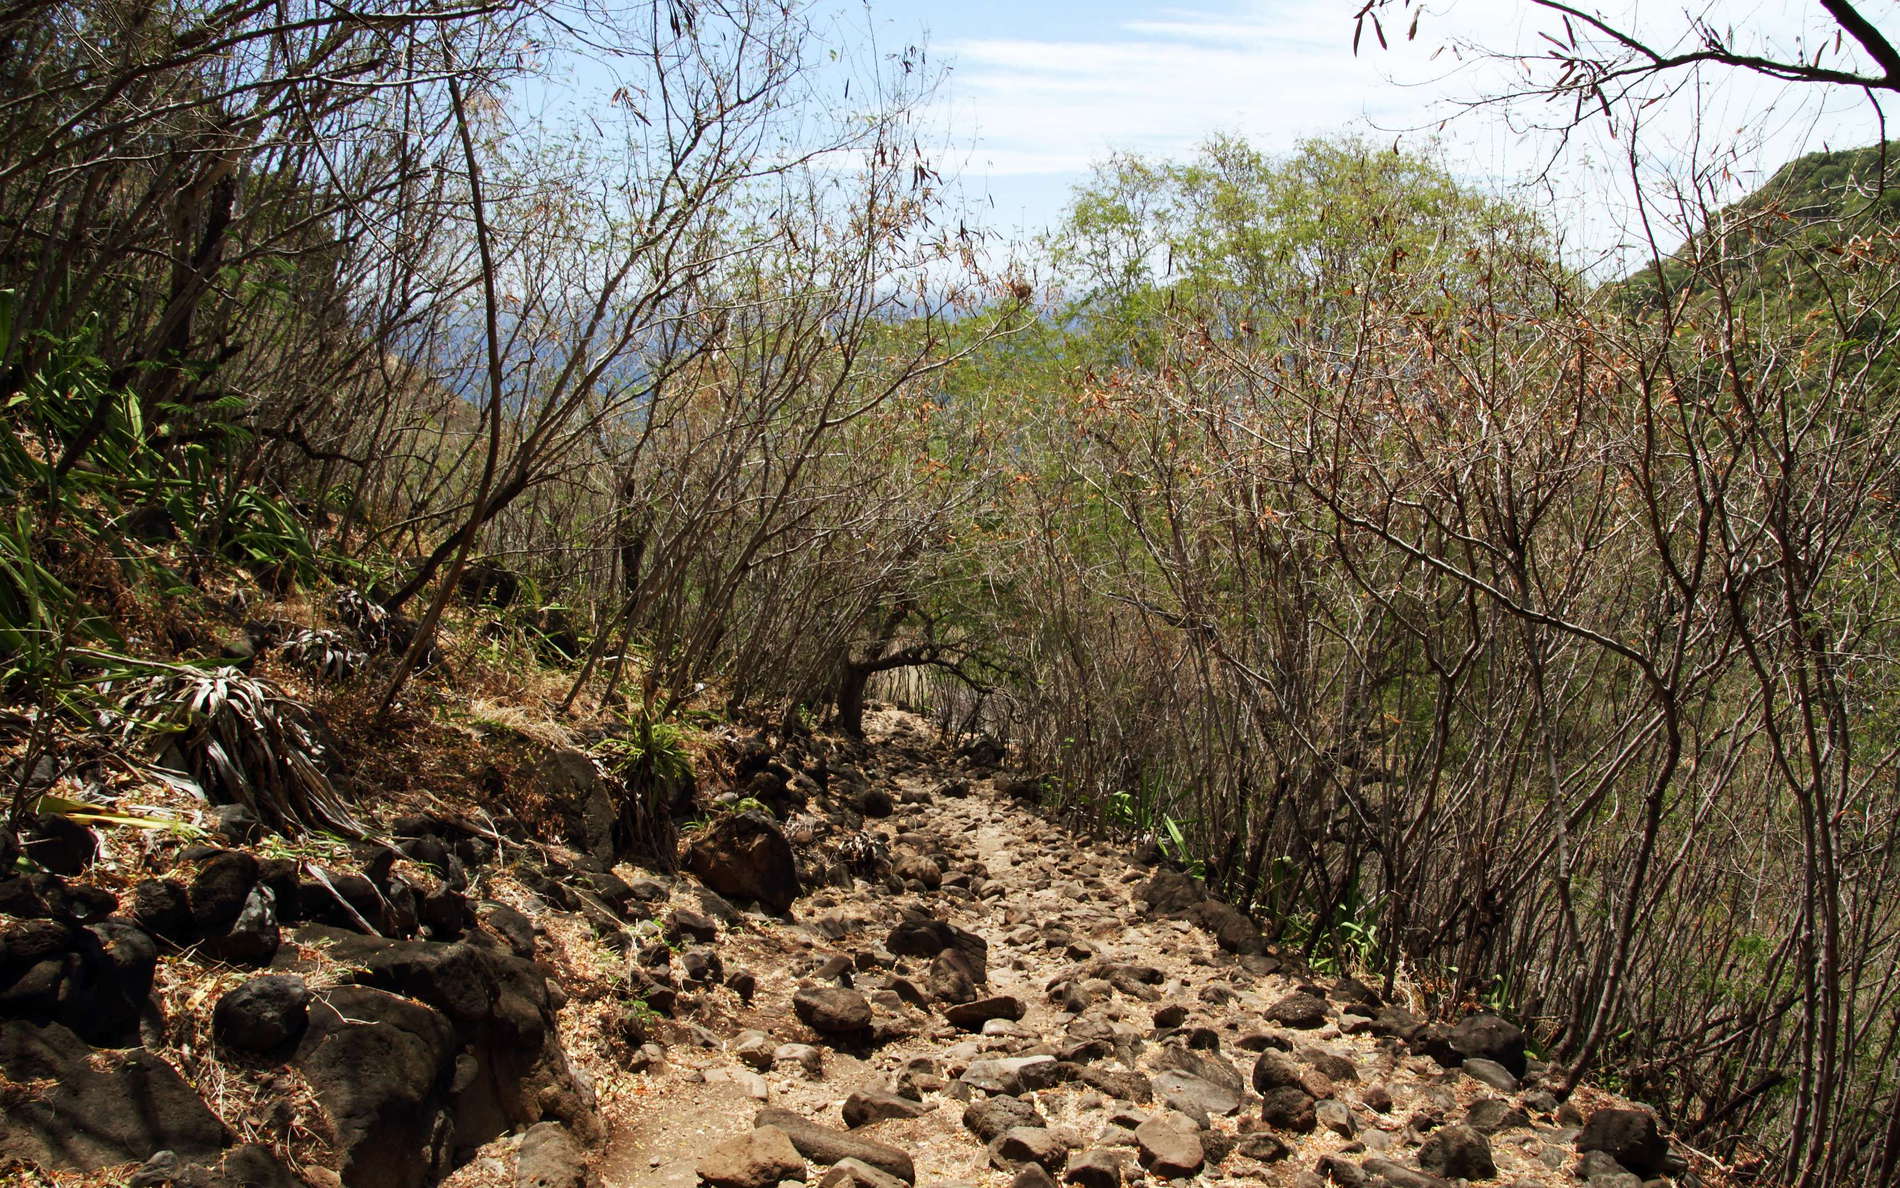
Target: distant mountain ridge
{"x":1820,"y":203}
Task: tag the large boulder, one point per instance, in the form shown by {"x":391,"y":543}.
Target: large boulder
{"x":1170,"y":1151}
{"x":971,"y":1016}
{"x":58,"y":843}
{"x":580,"y":798}
{"x":866,"y":1106}
{"x":1205,"y":1065}
{"x":382,"y":1066}
{"x":161,"y":908}
{"x":95,"y":1109}
{"x":745,"y":856}
{"x":249,"y":1166}
{"x":1631,"y":1137}
{"x":219,"y":891}
{"x":1229,"y":926}
{"x":1171,"y":893}
{"x":263,"y":1014}
{"x":94,"y":978}
{"x":502,"y":1015}
{"x":250,"y":939}
{"x":1028,"y":1144}
{"x":993,"y":1115}
{"x":832,"y":1011}
{"x":1457,"y":1152}
{"x":550,"y":1158}
{"x":1487,"y":1037}
{"x":1299,"y":1010}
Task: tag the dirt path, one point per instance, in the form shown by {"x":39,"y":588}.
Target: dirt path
{"x":1128,"y":1017}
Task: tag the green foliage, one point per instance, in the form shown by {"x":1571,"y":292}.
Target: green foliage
{"x":39,"y":614}
{"x":1253,"y":247}
{"x":1342,"y":939}
{"x":67,"y":396}
{"x":82,"y":813}
{"x":654,"y":764}
{"x":651,"y":755}
{"x":1792,"y":251}
{"x":1174,"y":843}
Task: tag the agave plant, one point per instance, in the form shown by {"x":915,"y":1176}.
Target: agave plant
{"x":361,"y":614}
{"x":236,"y":739}
{"x":381,"y":630}
{"x":327,"y":653}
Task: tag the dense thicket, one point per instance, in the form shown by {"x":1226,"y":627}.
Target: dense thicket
{"x":1470,"y":623}
{"x":1524,"y":638}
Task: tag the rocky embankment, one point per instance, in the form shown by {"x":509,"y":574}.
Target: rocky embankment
{"x":879,"y":967}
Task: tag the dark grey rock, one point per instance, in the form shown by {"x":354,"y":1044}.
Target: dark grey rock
{"x":1262,"y":1145}
{"x":1490,"y":1072}
{"x":1207,"y":1066}
{"x":583,"y":803}
{"x":759,"y":1158}
{"x":161,"y":908}
{"x":1493,"y":1115}
{"x":220,"y":889}
{"x":1487,"y":1037}
{"x":1457,"y":1152}
{"x":263,"y":1014}
{"x":1397,"y":1175}
{"x":1631,"y":1137}
{"x":930,"y":937}
{"x":1274,"y":1070}
{"x":745,"y":855}
{"x":972,"y":1015}
{"x":97,"y":1109}
{"x":93,"y":978}
{"x":1205,"y":1096}
{"x":832,"y":1010}
{"x":1300,"y":1010}
{"x":1171,"y":893}
{"x":1094,"y":1169}
{"x":250,"y":939}
{"x":248,"y":1166}
{"x":58,"y":843}
{"x":1341,"y":1172}
{"x":381,"y":1066}
{"x":855,"y":1173}
{"x":1028,"y":1144}
{"x":1289,"y":1107}
{"x":864,"y":1107}
{"x":1121,"y":1084}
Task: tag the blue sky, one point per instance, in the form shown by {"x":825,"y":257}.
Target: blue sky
{"x":1038,"y":89}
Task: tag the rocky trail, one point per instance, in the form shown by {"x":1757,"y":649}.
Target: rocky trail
{"x":1030,"y":1009}
{"x":901,"y":974}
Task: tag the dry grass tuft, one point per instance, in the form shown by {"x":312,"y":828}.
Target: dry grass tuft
{"x":527,"y":722}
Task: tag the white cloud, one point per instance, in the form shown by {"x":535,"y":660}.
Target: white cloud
{"x":1277,"y":70}
{"x":1272,"y":70}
